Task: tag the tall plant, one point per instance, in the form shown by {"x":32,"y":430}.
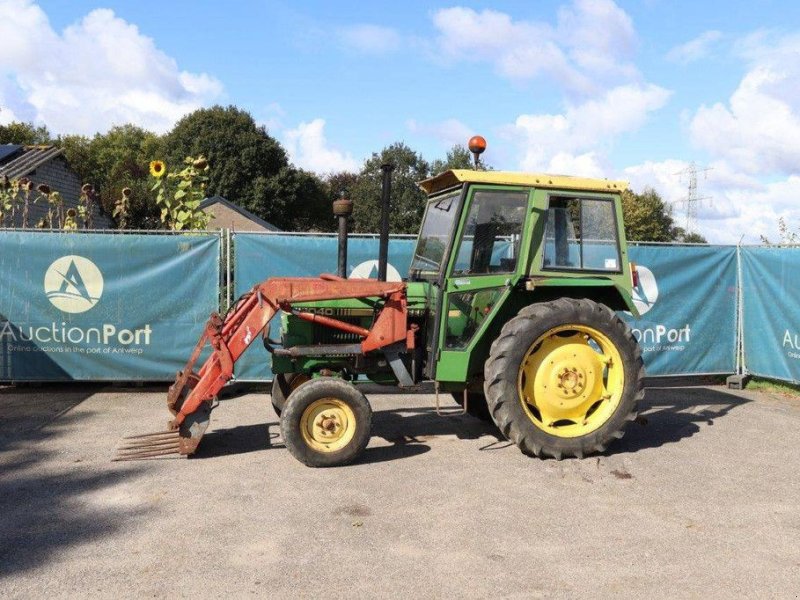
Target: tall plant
{"x":179,"y":194}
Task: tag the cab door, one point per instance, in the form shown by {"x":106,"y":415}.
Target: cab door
{"x":487,"y":260}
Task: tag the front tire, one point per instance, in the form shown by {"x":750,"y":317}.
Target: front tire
{"x":564,"y":378}
{"x":284,"y":384}
{"x":326,"y":422}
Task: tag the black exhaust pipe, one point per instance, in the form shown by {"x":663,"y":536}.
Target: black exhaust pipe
{"x":342,"y":208}
{"x":386,"y":193}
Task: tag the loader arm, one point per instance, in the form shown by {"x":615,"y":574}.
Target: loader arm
{"x":189,"y":398}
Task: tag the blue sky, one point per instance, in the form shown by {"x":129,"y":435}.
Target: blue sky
{"x":633,"y":90}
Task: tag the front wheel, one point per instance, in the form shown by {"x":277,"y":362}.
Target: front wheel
{"x":326,"y":422}
{"x":284,"y":384}
{"x":563,"y":378}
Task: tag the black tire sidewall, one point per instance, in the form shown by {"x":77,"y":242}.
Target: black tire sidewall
{"x":308,"y":393}
{"x":281,"y":388}
{"x":511,"y":347}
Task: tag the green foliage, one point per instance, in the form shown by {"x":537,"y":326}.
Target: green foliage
{"x":244,"y":157}
{"x":116,"y":160}
{"x":458,"y":157}
{"x":179,"y":194}
{"x":647,"y":217}
{"x":26,"y":134}
{"x":408,"y":201}
{"x":295,"y":200}
{"x":689,"y":238}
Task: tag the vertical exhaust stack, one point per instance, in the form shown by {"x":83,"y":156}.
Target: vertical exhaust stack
{"x":342,"y":209}
{"x":386,"y":193}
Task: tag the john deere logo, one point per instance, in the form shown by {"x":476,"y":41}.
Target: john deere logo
{"x":73,"y":284}
{"x":646,"y":293}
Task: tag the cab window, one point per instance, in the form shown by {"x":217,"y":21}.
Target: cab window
{"x":581,"y":234}
{"x":491,"y":236}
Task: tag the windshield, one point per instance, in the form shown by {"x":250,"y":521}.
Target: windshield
{"x":434,"y":234}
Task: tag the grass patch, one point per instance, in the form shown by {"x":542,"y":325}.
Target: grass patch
{"x":774,"y":387}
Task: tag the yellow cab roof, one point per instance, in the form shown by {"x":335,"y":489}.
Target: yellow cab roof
{"x":448,"y":179}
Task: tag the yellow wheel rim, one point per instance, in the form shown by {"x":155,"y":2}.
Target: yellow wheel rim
{"x":571,"y":380}
{"x":328,"y":425}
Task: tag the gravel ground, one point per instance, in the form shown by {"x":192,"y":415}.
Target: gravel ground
{"x":701,"y":500}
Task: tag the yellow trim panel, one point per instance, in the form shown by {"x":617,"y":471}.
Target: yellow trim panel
{"x":541,"y":180}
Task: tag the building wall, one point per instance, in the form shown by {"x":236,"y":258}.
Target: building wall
{"x":61,"y":179}
{"x":223,"y":217}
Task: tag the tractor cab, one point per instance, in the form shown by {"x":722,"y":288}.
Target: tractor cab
{"x":494,"y":241}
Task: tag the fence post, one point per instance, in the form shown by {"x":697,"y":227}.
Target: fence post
{"x":741,"y":367}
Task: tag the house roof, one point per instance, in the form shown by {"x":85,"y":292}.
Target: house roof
{"x":6,"y":150}
{"x":448,"y":179}
{"x":245,"y":213}
{"x":31,"y":158}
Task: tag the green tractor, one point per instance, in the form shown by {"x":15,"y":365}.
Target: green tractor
{"x":510,"y":297}
{"x":509,"y":305}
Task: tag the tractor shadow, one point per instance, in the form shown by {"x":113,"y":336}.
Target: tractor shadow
{"x":408,"y":431}
{"x":668,"y":415}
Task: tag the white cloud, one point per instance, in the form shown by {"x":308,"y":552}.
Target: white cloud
{"x":449,"y":132}
{"x":370,"y":39}
{"x":694,"y":49}
{"x":98,"y":72}
{"x":308,"y":149}
{"x":736,"y":206}
{"x":586,"y":49}
{"x":573,"y":138}
{"x":758,"y":130}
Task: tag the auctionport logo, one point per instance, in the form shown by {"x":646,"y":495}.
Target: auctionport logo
{"x":658,"y":337}
{"x":369,"y":270}
{"x":646,"y":293}
{"x":73,"y":284}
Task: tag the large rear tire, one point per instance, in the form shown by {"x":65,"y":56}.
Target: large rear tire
{"x":326,"y":422}
{"x":284,"y":384}
{"x":564,"y":378}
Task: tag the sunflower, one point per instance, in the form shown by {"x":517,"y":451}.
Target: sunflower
{"x":157,"y":168}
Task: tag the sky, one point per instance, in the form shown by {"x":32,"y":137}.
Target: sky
{"x":628,"y":90}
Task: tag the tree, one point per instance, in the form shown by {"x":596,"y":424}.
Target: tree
{"x":25,"y":134}
{"x":116,"y":160}
{"x":244,"y":158}
{"x":689,"y":238}
{"x":341,"y":182}
{"x":458,"y":157}
{"x":294,"y":200}
{"x":647,"y":217}
{"x":407,"y":202}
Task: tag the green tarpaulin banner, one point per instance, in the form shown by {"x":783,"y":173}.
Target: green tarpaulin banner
{"x":687,"y":300}
{"x":100,"y":307}
{"x":771,"y":312}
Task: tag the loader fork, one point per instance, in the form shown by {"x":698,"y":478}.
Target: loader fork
{"x":190,"y":399}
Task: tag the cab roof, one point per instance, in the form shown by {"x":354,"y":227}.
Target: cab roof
{"x":448,"y":179}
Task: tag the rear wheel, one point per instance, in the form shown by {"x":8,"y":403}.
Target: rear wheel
{"x":326,"y":422}
{"x":284,"y":384}
{"x":563,"y":378}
